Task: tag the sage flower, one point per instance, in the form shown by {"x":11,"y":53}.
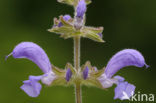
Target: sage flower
{"x":37,"y":55}
{"x":127,"y":57}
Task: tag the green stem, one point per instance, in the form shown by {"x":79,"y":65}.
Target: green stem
{"x":78,"y":93}
{"x":77,"y":53}
{"x":77,"y":67}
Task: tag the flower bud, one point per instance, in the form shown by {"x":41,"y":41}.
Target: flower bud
{"x":81,"y":9}
{"x":66,"y":18}
{"x":68,"y":74}
{"x":85,"y":73}
{"x":80,"y":12}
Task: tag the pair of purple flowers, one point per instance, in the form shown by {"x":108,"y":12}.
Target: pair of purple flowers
{"x":124,"y":58}
{"x":33,"y":52}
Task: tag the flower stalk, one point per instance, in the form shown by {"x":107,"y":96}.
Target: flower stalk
{"x":77,"y":53}
{"x":77,"y":67}
{"x":78,"y":93}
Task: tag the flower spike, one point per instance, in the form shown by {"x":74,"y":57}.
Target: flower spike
{"x":77,"y":75}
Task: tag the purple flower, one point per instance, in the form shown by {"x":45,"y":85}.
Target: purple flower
{"x":85,"y":73}
{"x":79,"y":16}
{"x":68,"y":74}
{"x":31,"y":86}
{"x":81,"y":9}
{"x":37,"y":55}
{"x":124,"y":90}
{"x":100,"y":34}
{"x":66,"y":18}
{"x":127,"y":57}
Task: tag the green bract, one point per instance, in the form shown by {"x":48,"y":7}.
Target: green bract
{"x":72,"y":2}
{"x":92,"y":79}
{"x":68,"y":30}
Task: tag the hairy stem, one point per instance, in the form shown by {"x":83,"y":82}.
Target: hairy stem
{"x":78,"y":93}
{"x":77,"y":67}
{"x":77,"y":53}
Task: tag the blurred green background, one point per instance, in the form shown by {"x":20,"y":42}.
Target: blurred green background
{"x":128,"y":24}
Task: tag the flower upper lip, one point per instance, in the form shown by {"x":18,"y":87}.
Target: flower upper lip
{"x":34,"y":53}
{"x":127,"y":57}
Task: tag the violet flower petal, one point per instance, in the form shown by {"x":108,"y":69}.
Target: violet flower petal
{"x":105,"y":82}
{"x":119,"y":78}
{"x":48,"y":78}
{"x":68,"y":74}
{"x":124,"y":90}
{"x":85,"y":73}
{"x":66,"y":17}
{"x":31,"y":86}
{"x":81,"y":9}
{"x":127,"y":57}
{"x":34,"y":53}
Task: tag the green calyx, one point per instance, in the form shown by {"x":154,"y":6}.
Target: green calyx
{"x":77,"y":76}
{"x":72,"y":2}
{"x":76,"y":26}
{"x":67,"y":30}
